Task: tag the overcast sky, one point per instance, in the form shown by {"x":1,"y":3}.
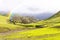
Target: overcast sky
{"x":30,"y":6}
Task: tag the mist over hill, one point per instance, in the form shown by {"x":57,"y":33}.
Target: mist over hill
{"x":4,"y":13}
{"x":40,"y":16}
{"x":56,"y":15}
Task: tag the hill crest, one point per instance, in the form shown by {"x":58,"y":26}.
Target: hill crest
{"x":55,"y":15}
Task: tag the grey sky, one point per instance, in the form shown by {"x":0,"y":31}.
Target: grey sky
{"x":30,"y":6}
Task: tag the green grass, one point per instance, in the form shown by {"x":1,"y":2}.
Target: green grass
{"x":47,"y":33}
{"x":4,"y":24}
{"x":36,"y":34}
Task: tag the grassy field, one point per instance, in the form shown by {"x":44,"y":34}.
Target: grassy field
{"x":6,"y":26}
{"x":46,"y":33}
{"x":36,"y":34}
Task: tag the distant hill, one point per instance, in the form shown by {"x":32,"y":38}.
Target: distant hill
{"x":54,"y":18}
{"x":3,"y":13}
{"x":23,"y":19}
{"x":53,"y":21}
{"x":40,"y":16}
{"x":43,"y":16}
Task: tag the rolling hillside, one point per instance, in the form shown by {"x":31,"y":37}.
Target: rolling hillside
{"x":5,"y":26}
{"x":46,"y":33}
{"x":55,"y":15}
{"x":52,"y":21}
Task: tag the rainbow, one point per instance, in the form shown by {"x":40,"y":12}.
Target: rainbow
{"x":9,"y":15}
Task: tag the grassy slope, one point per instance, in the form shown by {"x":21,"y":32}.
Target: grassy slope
{"x":4,"y":25}
{"x":56,"y":15}
{"x":37,"y":34}
{"x":52,"y":21}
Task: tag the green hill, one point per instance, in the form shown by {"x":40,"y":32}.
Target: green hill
{"x":6,"y":26}
{"x":53,"y":21}
{"x":55,"y":15}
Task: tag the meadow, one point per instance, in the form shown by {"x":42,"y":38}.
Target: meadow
{"x":49,"y":31}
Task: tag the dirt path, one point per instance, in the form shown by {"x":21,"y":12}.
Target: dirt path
{"x":35,"y":37}
{"x":14,"y":31}
{"x":31,"y":37}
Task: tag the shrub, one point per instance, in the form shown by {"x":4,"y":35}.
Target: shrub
{"x":39,"y":26}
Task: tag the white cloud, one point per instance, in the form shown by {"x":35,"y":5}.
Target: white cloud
{"x":9,"y":4}
{"x":30,"y":6}
{"x":38,"y":6}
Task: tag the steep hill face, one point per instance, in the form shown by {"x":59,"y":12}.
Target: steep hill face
{"x":53,"y":21}
{"x":55,"y":16}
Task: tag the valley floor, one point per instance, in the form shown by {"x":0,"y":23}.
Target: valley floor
{"x":18,"y":32}
{"x":36,"y":34}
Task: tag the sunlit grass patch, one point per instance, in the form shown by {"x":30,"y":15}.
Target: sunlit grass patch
{"x":33,"y":33}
